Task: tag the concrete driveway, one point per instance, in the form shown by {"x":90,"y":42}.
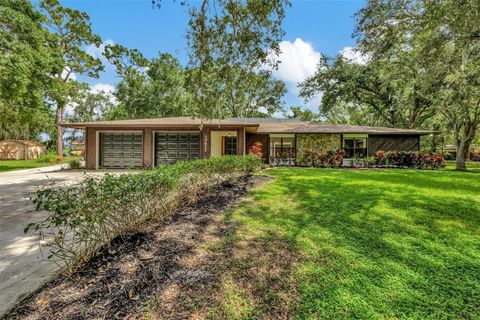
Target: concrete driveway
{"x":23,"y":265}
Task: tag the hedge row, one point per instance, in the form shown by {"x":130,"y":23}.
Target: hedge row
{"x":404,"y":159}
{"x":332,"y":159}
{"x":87,"y":216}
{"x":409,"y":159}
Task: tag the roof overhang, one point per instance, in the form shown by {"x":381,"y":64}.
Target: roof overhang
{"x":265,"y":127}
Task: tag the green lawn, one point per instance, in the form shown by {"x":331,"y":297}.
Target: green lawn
{"x":471,"y":166}
{"x":11,"y":165}
{"x":355,"y":244}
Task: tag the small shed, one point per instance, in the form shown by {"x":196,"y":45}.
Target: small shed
{"x":78,"y":147}
{"x":20,"y":149}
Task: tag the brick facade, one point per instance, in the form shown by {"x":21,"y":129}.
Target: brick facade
{"x":92,"y":145}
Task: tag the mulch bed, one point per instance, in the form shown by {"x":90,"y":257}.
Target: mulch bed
{"x":150,"y":274}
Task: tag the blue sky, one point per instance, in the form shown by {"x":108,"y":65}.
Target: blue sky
{"x":312,"y":27}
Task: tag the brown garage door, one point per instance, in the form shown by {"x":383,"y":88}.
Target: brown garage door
{"x":172,"y":147}
{"x":120,"y":150}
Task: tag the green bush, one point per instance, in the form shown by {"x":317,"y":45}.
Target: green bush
{"x":85,"y":217}
{"x":410,"y":159}
{"x":74,"y":164}
{"x":48,"y":158}
{"x":332,"y":159}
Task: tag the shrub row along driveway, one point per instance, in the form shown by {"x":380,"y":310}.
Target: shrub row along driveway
{"x":23,"y":267}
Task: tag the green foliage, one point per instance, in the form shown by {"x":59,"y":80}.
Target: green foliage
{"x":303,"y":114}
{"x":74,"y":164}
{"x":317,"y":143}
{"x":149,"y":89}
{"x":48,"y":158}
{"x":371,"y":93}
{"x":82,"y":218}
{"x":410,"y":159}
{"x":70,"y":34}
{"x":420,"y":68}
{"x":438,"y":41}
{"x":325,"y":159}
{"x":229,"y":41}
{"x":91,"y":106}
{"x":25,"y":67}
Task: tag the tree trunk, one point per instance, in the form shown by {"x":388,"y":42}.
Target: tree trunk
{"x":463,"y":141}
{"x":460,"y":158}
{"x":58,"y":120}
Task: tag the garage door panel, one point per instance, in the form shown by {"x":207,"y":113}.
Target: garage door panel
{"x":173,"y":147}
{"x":120,"y":150}
{"x":183,"y":146}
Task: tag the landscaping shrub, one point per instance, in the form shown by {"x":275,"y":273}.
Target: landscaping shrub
{"x":409,"y":159}
{"x":82,"y":218}
{"x":49,"y":158}
{"x":475,"y":155}
{"x":256,"y":149}
{"x":74,"y":164}
{"x":321,"y":159}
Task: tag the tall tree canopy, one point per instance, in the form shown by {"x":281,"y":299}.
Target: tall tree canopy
{"x":378,"y":92}
{"x":443,"y":39}
{"x":423,"y":63}
{"x":229,"y":73}
{"x":229,"y":41}
{"x":149,"y":88}
{"x":70,"y":32}
{"x":26,"y":62}
{"x":303,"y":114}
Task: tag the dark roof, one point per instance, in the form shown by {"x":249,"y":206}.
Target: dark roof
{"x":264,"y":125}
{"x":264,"y":120}
{"x":335,"y":128}
{"x":172,"y":121}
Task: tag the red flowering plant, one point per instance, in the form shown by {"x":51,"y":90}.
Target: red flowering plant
{"x":379,"y":157}
{"x":335,"y":159}
{"x":256,"y":149}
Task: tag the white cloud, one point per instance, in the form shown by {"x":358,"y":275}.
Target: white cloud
{"x":97,"y":52}
{"x":354,"y":55}
{"x":298,"y":61}
{"x":108,"y":89}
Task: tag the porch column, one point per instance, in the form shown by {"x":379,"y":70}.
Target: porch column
{"x":148,"y":148}
{"x":90,"y":148}
{"x":241,"y":141}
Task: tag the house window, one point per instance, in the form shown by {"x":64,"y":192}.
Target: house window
{"x":229,"y":145}
{"x":282,"y":147}
{"x":355,"y":146}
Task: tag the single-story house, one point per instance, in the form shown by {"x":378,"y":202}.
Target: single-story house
{"x":21,"y":149}
{"x":149,"y":142}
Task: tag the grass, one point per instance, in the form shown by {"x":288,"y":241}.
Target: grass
{"x":355,"y":244}
{"x":12,"y":165}
{"x":471,"y":166}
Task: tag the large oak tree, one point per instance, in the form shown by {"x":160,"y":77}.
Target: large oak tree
{"x":71,"y":33}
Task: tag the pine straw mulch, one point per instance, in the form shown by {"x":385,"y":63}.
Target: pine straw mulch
{"x":185,"y":268}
